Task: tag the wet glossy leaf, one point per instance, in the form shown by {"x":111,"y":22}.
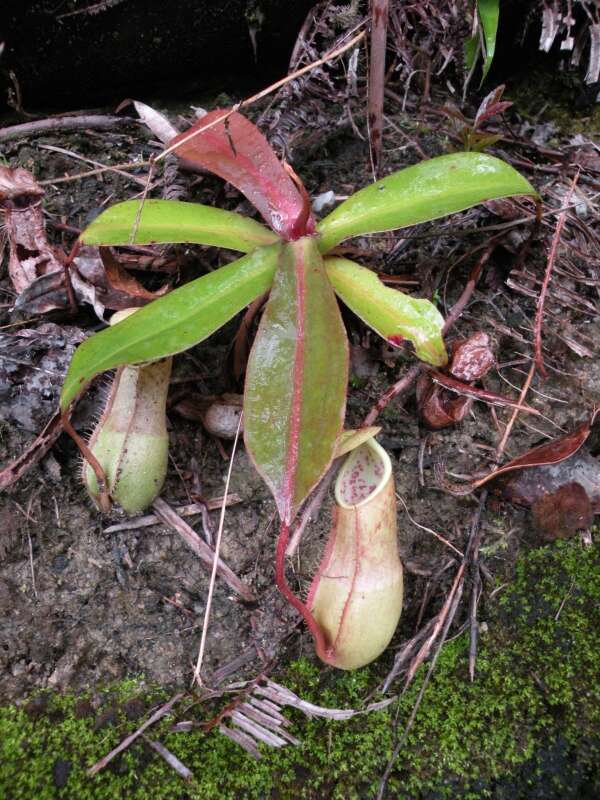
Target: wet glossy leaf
{"x":174,"y":322}
{"x":489,"y":14}
{"x":392,"y":314}
{"x":296,"y":379}
{"x":420,"y":193}
{"x":238,"y":152}
{"x":171,"y":221}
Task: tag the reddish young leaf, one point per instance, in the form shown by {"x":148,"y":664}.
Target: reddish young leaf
{"x":545,"y":454}
{"x":237,"y":151}
{"x":296,"y":379}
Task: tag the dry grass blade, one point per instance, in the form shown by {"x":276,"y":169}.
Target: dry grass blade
{"x":189,"y":510}
{"x":379,"y":24}
{"x":171,"y":759}
{"x":32,"y":454}
{"x":539,"y":314}
{"x":167,"y":515}
{"x":215,"y":563}
{"x":258,"y":731}
{"x":62,"y":124}
{"x":264,"y":92}
{"x":285,"y":697}
{"x":442,"y":618}
{"x":243,"y":739}
{"x":159,"y":714}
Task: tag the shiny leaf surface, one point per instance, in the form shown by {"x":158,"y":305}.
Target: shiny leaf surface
{"x":172,"y":221}
{"x":296,"y":379}
{"x":238,"y":152}
{"x":423,"y":192}
{"x":489,"y":14}
{"x":392,"y":314}
{"x":174,"y":322}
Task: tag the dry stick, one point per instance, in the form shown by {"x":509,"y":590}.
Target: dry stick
{"x":62,"y":124}
{"x":165,"y":513}
{"x":189,"y":510}
{"x":539,"y":314}
{"x":379,"y":25}
{"x":473,"y":561}
{"x":32,"y":454}
{"x":248,"y":101}
{"x":454,"y":598}
{"x":171,"y":759}
{"x":132,"y":737}
{"x":439,"y":625}
{"x":140,"y":208}
{"x":443,"y":622}
{"x":396,"y":389}
{"x":90,"y":172}
{"x":213,"y":576}
{"x":71,"y":154}
{"x":264,"y":92}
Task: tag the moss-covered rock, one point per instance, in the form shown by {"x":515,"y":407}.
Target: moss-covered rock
{"x":528,"y":727}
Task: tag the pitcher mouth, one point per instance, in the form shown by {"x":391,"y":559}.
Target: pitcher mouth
{"x":363,"y":476}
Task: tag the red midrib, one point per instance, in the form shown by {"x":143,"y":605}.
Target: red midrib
{"x":296,"y":398}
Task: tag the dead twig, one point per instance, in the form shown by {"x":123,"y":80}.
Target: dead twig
{"x":395,"y":390}
{"x":171,"y":759}
{"x":215,"y":563}
{"x":451,"y":605}
{"x":62,"y":124}
{"x":379,"y":24}
{"x":189,"y":510}
{"x":32,"y":454}
{"x":158,"y":714}
{"x":264,"y":92}
{"x":167,"y":515}
{"x":539,"y":314}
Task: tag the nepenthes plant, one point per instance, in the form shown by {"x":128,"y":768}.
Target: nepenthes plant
{"x":297,"y":372}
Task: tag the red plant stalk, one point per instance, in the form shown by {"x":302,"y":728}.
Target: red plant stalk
{"x":321,"y":646}
{"x":379,"y":24}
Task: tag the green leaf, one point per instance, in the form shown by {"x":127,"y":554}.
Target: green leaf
{"x":392,"y":314}
{"x":471,"y":51}
{"x":296,"y":379}
{"x":172,"y":221}
{"x":423,"y":192}
{"x":174,"y":322}
{"x":489,"y":14}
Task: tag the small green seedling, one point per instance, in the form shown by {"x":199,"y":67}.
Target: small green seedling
{"x":297,"y":375}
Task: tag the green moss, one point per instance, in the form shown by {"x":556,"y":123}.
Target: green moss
{"x":531,"y":718}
